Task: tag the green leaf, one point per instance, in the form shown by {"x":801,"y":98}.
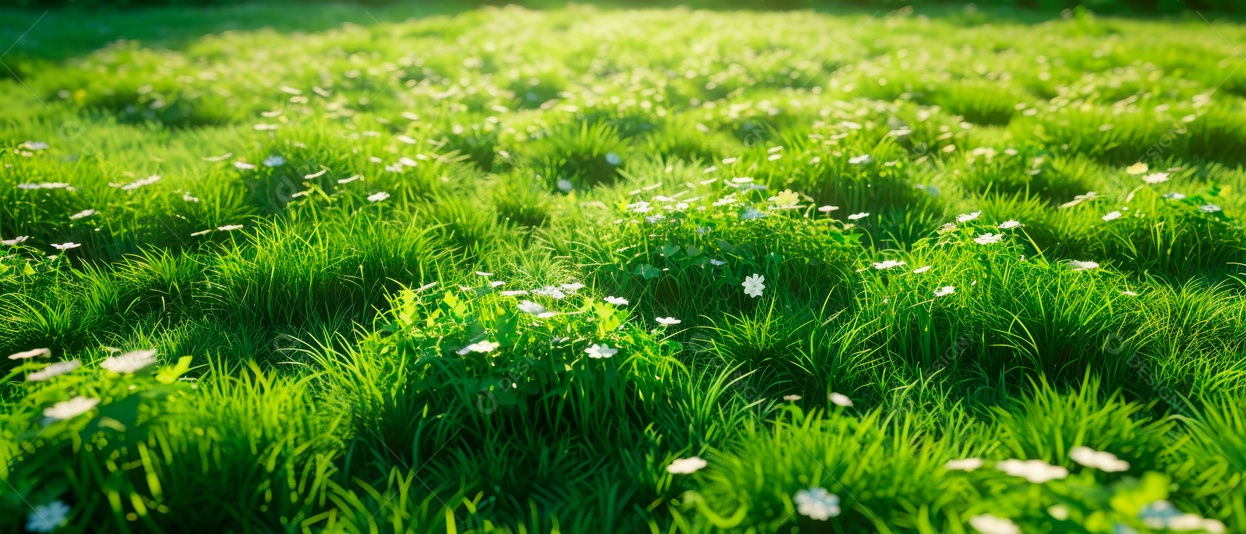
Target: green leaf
{"x":649,"y":272}
{"x":169,"y":375}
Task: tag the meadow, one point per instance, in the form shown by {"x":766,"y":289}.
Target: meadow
{"x":279,"y":268}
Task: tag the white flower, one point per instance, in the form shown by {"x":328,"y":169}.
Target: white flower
{"x":988,"y":239}
{"x":944,"y":291}
{"x":754,"y":285}
{"x":70,"y":409}
{"x":887,"y":264}
{"x":479,"y":346}
{"x":47,"y":517}
{"x":863,"y":158}
{"x":1059,"y":511}
{"x":66,"y":246}
{"x":1193,"y":522}
{"x":243,"y":166}
{"x":34,"y":145}
{"x":564,"y":185}
{"x":791,"y":398}
{"x":1009,"y":224}
{"x":817,"y":503}
{"x":130,"y":362}
{"x":827,"y":209}
{"x":15,"y":241}
{"x":717,"y":263}
{"x":532,"y":308}
{"x":600,"y":351}
{"x":1103,"y":461}
{"x":968,"y":217}
{"x":1155,"y":178}
{"x":483,"y":274}
{"x":1136,"y":169}
{"x":639,"y":207}
{"x":839,"y":399}
{"x":573,"y":287}
{"x":1112,"y":216}
{"x":686,"y":466}
{"x":378,"y":196}
{"x":1083,"y":265}
{"x":858,"y":216}
{"x":1129,"y":293}
{"x":514,"y":292}
{"x":1036,"y":471}
{"x":32,"y":353}
{"x":989,"y":524}
{"x":613,"y":159}
{"x":82,"y":214}
{"x":1174,"y":196}
{"x":274,"y":161}
{"x":921,"y":270}
{"x":1209,"y":208}
{"x":229,"y":227}
{"x":617,"y":301}
{"x":52,"y":370}
{"x":551,"y":292}
{"x":965,"y":464}
{"x":667,"y":321}
{"x":785,"y":198}
{"x":497,"y":283}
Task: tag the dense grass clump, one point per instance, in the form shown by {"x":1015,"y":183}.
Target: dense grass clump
{"x":619,"y":270}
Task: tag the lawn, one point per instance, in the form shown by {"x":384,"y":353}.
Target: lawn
{"x":282,"y":268}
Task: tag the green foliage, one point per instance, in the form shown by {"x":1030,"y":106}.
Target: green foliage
{"x":597,"y":269}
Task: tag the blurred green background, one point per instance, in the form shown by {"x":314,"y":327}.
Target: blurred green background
{"x":1106,"y":6}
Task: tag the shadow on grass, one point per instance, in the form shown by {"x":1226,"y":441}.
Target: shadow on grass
{"x":33,"y":37}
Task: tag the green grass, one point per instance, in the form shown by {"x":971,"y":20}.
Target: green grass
{"x":378,"y":254}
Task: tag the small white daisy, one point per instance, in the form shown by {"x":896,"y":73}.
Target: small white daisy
{"x":988,"y":239}
{"x":1009,"y":224}
{"x":968,"y":217}
{"x":52,"y":370}
{"x":754,"y":285}
{"x":1103,"y":461}
{"x":686,"y":466}
{"x":479,"y":346}
{"x":1035,"y":471}
{"x":32,"y":353}
{"x":839,"y":399}
{"x":130,"y":362}
{"x":989,"y":524}
{"x":667,"y":321}
{"x":858,"y":216}
{"x":600,"y":351}
{"x":70,"y":409}
{"x":817,"y":503}
{"x":617,"y":301}
{"x":944,"y":291}
{"x":1112,"y":216}
{"x":964,"y":464}
{"x":66,"y":246}
{"x":378,"y":196}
